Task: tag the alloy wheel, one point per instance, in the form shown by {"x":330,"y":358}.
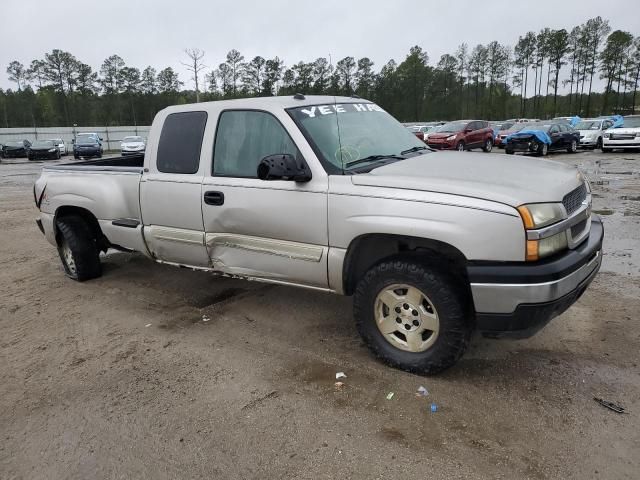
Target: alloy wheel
{"x":406,"y":318}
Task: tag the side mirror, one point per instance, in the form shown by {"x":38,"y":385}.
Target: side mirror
{"x":100,"y":138}
{"x":468,"y":130}
{"x":283,"y":166}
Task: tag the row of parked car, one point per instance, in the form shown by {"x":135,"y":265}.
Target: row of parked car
{"x":85,"y":145}
{"x":533,"y":136}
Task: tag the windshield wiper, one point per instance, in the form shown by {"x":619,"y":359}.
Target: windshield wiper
{"x":371,"y":158}
{"x":413,"y":149}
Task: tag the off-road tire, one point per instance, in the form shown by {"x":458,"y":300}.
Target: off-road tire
{"x":448,"y":299}
{"x":76,"y":234}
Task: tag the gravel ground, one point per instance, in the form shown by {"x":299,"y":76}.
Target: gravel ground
{"x":158,"y":372}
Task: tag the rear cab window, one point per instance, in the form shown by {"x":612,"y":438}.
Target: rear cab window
{"x":181,"y":142}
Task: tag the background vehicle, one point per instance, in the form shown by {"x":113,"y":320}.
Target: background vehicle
{"x":625,"y":137}
{"x":87,"y":145}
{"x":507,"y":129}
{"x":131,"y":145}
{"x":457,"y":241}
{"x":43,"y":149}
{"x":16,"y":149}
{"x":462,"y":135}
{"x":591,"y":131}
{"x":541,"y":138}
{"x":60,"y":144}
{"x":420,"y":131}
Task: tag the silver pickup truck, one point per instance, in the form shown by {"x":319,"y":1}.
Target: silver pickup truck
{"x":333,"y":194}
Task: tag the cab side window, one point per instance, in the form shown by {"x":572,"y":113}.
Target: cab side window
{"x":180,"y":142}
{"x":607,"y":124}
{"x":243,"y":138}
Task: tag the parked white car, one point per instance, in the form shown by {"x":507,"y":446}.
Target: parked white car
{"x":132,"y":145}
{"x":592,"y":131}
{"x":626,"y":137}
{"x":60,"y":144}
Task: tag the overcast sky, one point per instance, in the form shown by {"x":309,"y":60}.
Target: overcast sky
{"x":155,"y":32}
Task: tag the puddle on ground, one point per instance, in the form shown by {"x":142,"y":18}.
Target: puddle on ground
{"x":603,"y":212}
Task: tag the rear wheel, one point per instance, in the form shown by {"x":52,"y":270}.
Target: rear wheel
{"x":508,"y":151}
{"x":488,"y":145}
{"x":599,"y":143}
{"x":460,"y":147}
{"x":78,"y":249}
{"x":573,"y":147}
{"x":412,"y":316}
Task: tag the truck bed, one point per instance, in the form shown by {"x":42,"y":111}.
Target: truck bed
{"x":129,"y":163}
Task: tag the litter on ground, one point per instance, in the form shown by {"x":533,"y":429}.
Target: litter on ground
{"x":390,"y":395}
{"x":340,"y":375}
{"x":422,"y":392}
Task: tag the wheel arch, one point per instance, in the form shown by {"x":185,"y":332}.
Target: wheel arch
{"x":88,"y":217}
{"x":366,"y":251}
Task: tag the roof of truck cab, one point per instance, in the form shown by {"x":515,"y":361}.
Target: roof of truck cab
{"x":266,"y":103}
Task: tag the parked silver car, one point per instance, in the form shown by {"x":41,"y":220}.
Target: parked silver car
{"x":592,"y":131}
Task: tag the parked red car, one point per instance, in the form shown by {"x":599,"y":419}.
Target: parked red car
{"x":506,"y":130}
{"x":462,"y":135}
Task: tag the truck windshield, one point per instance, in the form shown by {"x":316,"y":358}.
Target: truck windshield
{"x":350,"y":135}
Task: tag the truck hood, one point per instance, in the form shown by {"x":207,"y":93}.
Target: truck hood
{"x":511,"y":180}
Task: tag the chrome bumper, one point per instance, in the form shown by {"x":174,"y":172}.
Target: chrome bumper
{"x":505,"y":298}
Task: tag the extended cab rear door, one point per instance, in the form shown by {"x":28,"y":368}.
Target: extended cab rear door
{"x":276,"y":230}
{"x":171,"y":186}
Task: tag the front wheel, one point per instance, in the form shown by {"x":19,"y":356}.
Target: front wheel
{"x":460,"y":147}
{"x":543,"y":149}
{"x":488,"y":145}
{"x":509,"y":151}
{"x":573,"y":147}
{"x":412,"y":316}
{"x":77,"y":249}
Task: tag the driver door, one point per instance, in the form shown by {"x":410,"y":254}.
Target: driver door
{"x":556,"y":138}
{"x":274,"y":230}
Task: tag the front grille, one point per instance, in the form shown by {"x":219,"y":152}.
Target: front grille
{"x":574,"y":199}
{"x":622,"y":136}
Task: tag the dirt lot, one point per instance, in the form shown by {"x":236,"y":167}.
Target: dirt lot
{"x":123,"y":378}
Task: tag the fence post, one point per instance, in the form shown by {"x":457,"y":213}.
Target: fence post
{"x":108,"y":141}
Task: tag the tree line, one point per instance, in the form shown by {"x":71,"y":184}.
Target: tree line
{"x":487,"y":81}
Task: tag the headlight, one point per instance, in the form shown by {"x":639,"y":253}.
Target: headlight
{"x":451,"y":137}
{"x":637,"y":134}
{"x":538,"y":215}
{"x":547,"y":246}
{"x":51,"y":150}
{"x":606,"y":135}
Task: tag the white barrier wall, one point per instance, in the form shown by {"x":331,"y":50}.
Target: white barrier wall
{"x":111,"y":136}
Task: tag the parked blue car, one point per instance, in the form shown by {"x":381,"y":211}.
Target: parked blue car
{"x":87,"y":145}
